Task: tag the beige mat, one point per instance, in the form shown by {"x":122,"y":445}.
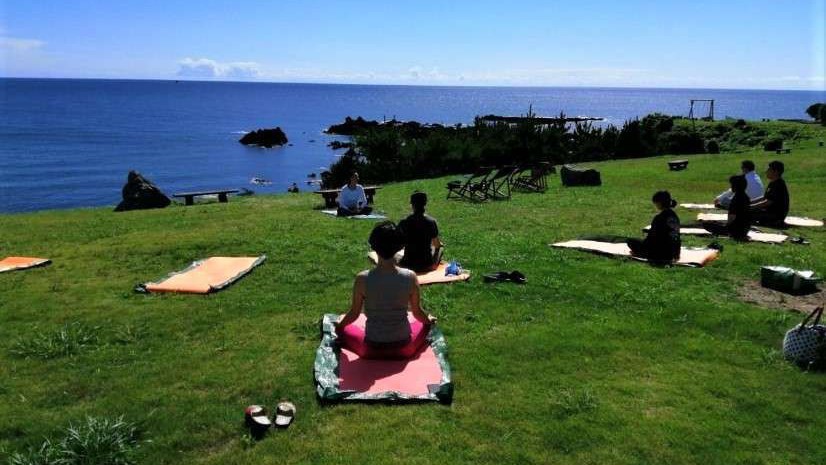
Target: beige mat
{"x":688,"y":256}
{"x":436,"y":276}
{"x":754,"y":236}
{"x":790,"y":220}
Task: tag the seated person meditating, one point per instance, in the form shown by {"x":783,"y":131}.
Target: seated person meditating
{"x":385,"y":293}
{"x":754,"y":186}
{"x":662,"y":244}
{"x":423,"y":249}
{"x":739,"y":212}
{"x":772,"y":209}
{"x":351,"y":199}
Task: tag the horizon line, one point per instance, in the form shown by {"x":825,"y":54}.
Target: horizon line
{"x":503,"y":86}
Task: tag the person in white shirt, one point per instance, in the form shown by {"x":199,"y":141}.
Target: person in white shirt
{"x":754,"y":186}
{"x":352,"y":200}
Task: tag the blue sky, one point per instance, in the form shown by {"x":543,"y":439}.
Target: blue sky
{"x":767,"y":44}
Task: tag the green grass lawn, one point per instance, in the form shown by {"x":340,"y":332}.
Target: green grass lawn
{"x":594,"y":361}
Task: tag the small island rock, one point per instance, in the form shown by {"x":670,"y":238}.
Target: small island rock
{"x":139,"y":193}
{"x":265,"y":138}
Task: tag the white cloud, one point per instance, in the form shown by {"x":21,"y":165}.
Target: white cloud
{"x":206,"y":68}
{"x":15,"y":44}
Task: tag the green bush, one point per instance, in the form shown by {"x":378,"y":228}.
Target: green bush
{"x":815,"y":111}
{"x":712,"y":146}
{"x":775,"y":143}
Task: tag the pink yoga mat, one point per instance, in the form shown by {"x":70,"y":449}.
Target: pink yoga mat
{"x":410,"y":377}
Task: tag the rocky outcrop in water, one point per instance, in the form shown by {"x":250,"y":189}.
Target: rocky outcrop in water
{"x":265,"y":138}
{"x":139,"y":194}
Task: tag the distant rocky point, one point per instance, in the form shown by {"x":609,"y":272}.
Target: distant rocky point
{"x":265,"y":138}
{"x":351,"y":126}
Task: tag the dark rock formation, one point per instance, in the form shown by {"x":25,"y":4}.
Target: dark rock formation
{"x":351,"y":126}
{"x":264,"y":138}
{"x":139,"y":194}
{"x":337,"y":144}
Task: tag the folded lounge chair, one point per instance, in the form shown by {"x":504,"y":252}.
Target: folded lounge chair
{"x":436,"y":276}
{"x":532,"y":178}
{"x":21,"y":263}
{"x":688,"y":256}
{"x":754,"y":235}
{"x":498,"y":186}
{"x":790,"y":220}
{"x":471,"y":188}
{"x":342,"y":376}
{"x":205,"y":276}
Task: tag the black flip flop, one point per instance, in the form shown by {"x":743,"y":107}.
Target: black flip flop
{"x":517,"y":277}
{"x":284,"y":415}
{"x":800,"y":240}
{"x":499,"y":276}
{"x":257,"y":419}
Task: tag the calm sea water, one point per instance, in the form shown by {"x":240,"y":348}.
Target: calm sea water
{"x":70,"y":143}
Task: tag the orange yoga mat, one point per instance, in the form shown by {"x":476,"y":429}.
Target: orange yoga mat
{"x":436,"y":276}
{"x":21,"y":263}
{"x":205,"y":276}
{"x":688,"y":256}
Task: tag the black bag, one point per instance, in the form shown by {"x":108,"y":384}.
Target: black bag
{"x":573,"y":176}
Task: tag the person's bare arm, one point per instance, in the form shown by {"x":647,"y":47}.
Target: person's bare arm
{"x":356,"y":305}
{"x":761,"y":204}
{"x":436,"y":242}
{"x":416,"y":305}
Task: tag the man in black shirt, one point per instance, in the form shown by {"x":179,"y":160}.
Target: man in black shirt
{"x":423,"y":249}
{"x":772,"y":209}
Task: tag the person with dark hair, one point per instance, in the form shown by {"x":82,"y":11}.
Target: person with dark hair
{"x":754,"y":186}
{"x":423,"y":249}
{"x":385,"y":293}
{"x":352,"y":200}
{"x":772,"y":209}
{"x":662,"y":244}
{"x":738,"y":224}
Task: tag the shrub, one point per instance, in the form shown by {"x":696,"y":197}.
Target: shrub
{"x":712,"y":146}
{"x":680,"y":141}
{"x":104,"y":441}
{"x":815,"y":111}
{"x":68,"y":340}
{"x":823,"y":115}
{"x":775,"y":143}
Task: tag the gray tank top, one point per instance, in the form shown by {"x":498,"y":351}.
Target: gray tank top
{"x":385,"y":304}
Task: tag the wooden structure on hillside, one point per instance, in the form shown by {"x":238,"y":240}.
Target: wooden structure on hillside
{"x":709,"y":115}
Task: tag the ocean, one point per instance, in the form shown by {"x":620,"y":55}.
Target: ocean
{"x":68,"y":143}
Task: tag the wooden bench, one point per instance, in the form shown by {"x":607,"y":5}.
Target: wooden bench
{"x":330,"y":195}
{"x":677,"y":165}
{"x":779,"y":151}
{"x":189,"y":197}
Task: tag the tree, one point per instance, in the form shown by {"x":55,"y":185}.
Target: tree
{"x":814,"y":111}
{"x":823,"y":115}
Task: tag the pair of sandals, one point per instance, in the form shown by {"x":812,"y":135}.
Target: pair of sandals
{"x":258,"y":419}
{"x":506,"y":277}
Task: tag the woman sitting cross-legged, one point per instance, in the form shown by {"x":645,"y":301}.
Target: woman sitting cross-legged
{"x":662,"y":244}
{"x":738,"y":223}
{"x":385,"y":293}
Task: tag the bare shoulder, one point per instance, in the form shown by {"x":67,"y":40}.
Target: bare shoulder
{"x":362,"y":276}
